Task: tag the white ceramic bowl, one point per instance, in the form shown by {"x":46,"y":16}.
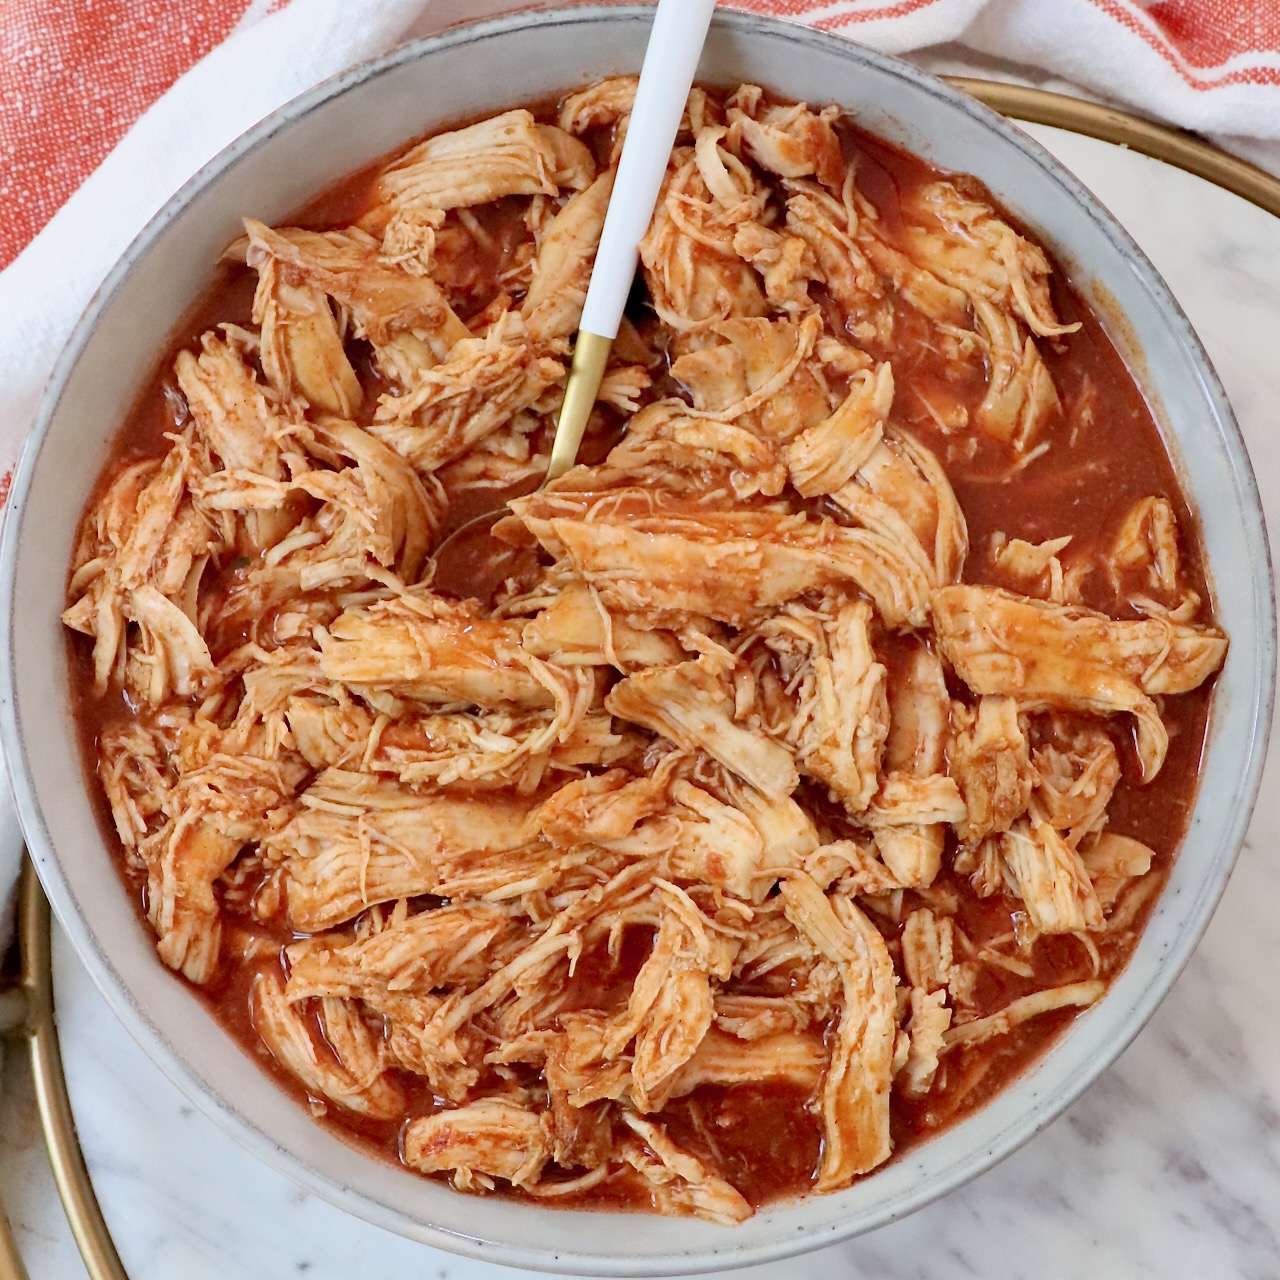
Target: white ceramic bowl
{"x":272,"y":170}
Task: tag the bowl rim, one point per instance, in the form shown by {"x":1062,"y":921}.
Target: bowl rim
{"x":224,"y":1111}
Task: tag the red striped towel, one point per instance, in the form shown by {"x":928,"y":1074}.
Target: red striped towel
{"x":75,"y":74}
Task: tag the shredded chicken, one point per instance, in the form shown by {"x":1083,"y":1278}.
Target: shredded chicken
{"x":672,"y":559}
{"x":901,"y":492}
{"x":406,"y":317}
{"x":692,"y":705}
{"x":928,"y":945}
{"x":1111,"y":862}
{"x":978,"y":1030}
{"x":759,"y":374}
{"x":1036,"y":568}
{"x":792,"y":141}
{"x":508,"y":155}
{"x":1046,"y":655}
{"x":930,"y":1019}
{"x":741,"y":795}
{"x":991,"y":764}
{"x":348,"y":1067}
{"x":916,"y":796}
{"x":1021,"y":396}
{"x":1145,"y":565}
{"x":839,"y":714}
{"x":679,"y":1181}
{"x":483,"y":385}
{"x":855,"y":1091}
{"x":1051,"y":879}
{"x":827,"y":456}
{"x":694,"y":274}
{"x":964,"y":242}
{"x":428,"y":651}
{"x":491,"y":1138}
{"x":560,"y":273}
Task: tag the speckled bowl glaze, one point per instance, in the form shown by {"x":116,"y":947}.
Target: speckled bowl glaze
{"x":340,"y":127}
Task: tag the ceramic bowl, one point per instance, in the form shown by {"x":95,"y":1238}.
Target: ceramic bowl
{"x":340,"y":127}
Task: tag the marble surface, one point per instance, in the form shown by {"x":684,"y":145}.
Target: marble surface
{"x":1169,"y":1167}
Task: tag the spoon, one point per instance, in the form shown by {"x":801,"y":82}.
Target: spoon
{"x":670,"y":61}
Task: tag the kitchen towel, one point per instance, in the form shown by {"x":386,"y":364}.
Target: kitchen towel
{"x":108,"y":106}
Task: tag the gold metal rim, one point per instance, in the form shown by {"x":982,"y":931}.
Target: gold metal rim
{"x":71,"y":1176}
{"x":1036,"y":106}
{"x":1162,"y":142}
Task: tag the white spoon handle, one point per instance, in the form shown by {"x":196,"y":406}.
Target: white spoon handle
{"x":670,"y":62}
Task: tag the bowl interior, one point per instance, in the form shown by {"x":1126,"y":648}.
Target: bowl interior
{"x":339,"y":128}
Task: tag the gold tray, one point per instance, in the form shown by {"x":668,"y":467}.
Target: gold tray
{"x":27,"y":1003}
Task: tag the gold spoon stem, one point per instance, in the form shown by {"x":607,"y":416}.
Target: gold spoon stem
{"x":590,"y":355}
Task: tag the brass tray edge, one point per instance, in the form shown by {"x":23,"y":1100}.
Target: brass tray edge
{"x":1162,"y":142}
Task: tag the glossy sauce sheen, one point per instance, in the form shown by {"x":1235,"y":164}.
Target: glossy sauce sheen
{"x":766,"y":1138}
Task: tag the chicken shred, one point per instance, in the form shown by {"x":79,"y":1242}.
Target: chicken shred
{"x":351,"y":1067}
{"x":691,"y":704}
{"x":492,"y":1138}
{"x":509,"y":155}
{"x":1051,"y":879}
{"x":841,"y":716}
{"x":1046,"y":655}
{"x":855,"y":1091}
{"x":930,"y":1020}
{"x":680,"y":1181}
{"x":963,"y":242}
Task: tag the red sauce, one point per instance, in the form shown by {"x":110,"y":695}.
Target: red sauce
{"x":761,"y":1136}
{"x":1107,"y":453}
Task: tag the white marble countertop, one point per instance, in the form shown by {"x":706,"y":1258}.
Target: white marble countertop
{"x":1169,"y":1167}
